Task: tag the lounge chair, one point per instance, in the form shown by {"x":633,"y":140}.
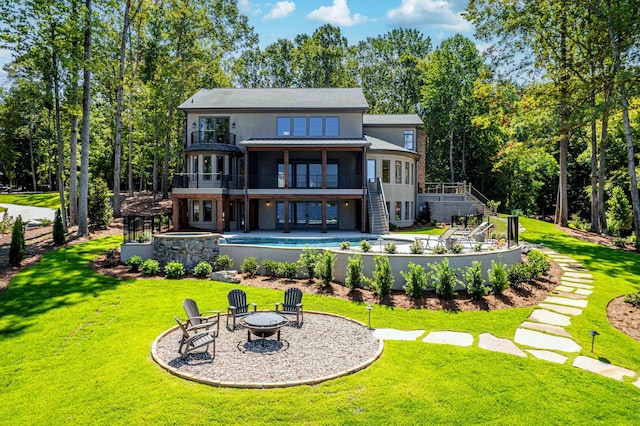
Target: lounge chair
{"x":191,"y":341}
{"x":201,"y":320}
{"x":445,"y":239}
{"x":238,"y":306}
{"x":476,"y":233}
{"x":292,"y":305}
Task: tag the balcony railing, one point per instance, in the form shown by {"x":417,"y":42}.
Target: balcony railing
{"x":219,"y":180}
{"x":207,"y":180}
{"x":211,"y":136}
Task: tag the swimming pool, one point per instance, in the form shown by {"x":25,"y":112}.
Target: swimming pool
{"x":328,"y":242}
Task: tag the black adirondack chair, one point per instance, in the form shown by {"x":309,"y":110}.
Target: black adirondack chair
{"x":191,"y":340}
{"x":201,"y":320}
{"x":238,"y":306}
{"x":292,"y":305}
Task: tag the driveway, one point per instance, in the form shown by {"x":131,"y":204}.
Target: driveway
{"x":29,"y":213}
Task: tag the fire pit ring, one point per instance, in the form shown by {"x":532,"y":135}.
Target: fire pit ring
{"x":263,"y":324}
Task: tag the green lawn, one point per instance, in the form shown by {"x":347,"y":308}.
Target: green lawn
{"x":75,"y":349}
{"x":49,"y":199}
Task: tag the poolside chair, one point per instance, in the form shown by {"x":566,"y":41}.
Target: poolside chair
{"x":201,"y":320}
{"x":191,"y":341}
{"x":445,"y":239}
{"x":292,"y":305}
{"x":238,"y":306}
{"x":477,"y":233}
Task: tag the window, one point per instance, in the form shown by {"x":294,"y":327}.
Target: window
{"x":315,"y":176}
{"x":208,"y":210}
{"x":398,"y":214}
{"x":315,"y":126}
{"x":331,"y":126}
{"x":284,"y":126}
{"x":412,"y":177}
{"x":412,"y":211}
{"x":389,"y":208}
{"x":332,"y":175}
{"x":386,"y":172}
{"x":195,"y":164}
{"x":232,"y":212}
{"x":299,"y":126}
{"x":406,"y":210}
{"x":398,"y":171}
{"x":214,"y":130}
{"x":408,"y":139}
{"x":195,"y":211}
{"x":206,"y":167}
{"x":406,"y":173}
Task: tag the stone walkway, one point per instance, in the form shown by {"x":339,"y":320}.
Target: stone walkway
{"x":542,"y":335}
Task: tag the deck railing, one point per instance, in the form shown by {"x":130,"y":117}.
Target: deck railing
{"x":140,"y":229}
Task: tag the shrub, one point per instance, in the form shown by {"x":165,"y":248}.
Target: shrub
{"x":619,"y":213}
{"x":538,"y":263}
{"x":174,"y":270}
{"x":150,"y":267}
{"x":144,"y":237}
{"x":309,"y":260}
{"x":16,"y":249}
{"x":416,"y":279}
{"x":345,"y":245}
{"x":325,"y":266}
{"x":477,"y":247}
{"x":456,"y":248}
{"x":112,"y":258}
{"x":222,"y":262}
{"x":6,"y":224}
{"x":392,"y":226}
{"x":249,"y":266}
{"x":633,"y":299}
{"x":576,"y":222}
{"x":390,"y":248}
{"x":439,"y":250}
{"x":203,"y":269}
{"x":354,"y":272}
{"x":288,"y":270}
{"x":473,"y":281}
{"x":58,"y":229}
{"x":134,"y":263}
{"x":382,"y":281}
{"x":270,"y":268}
{"x":498,"y":277}
{"x":518,"y":273}
{"x":99,"y":210}
{"x":365,"y":246}
{"x":417,"y":247}
{"x":619,"y":242}
{"x":443,"y":278}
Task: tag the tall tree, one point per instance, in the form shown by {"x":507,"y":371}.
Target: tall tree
{"x":86,"y":123}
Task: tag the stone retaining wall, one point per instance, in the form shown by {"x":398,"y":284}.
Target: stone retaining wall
{"x":186,"y":249}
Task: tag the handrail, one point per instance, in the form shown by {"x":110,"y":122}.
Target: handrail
{"x":384,"y":199}
{"x":484,"y":200}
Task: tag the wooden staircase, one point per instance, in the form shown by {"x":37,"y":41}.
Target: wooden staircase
{"x":378,"y":215}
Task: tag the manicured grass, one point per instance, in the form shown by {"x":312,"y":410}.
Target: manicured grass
{"x":3,"y":209}
{"x":428,"y":229}
{"x":75,"y":349}
{"x":49,"y":199}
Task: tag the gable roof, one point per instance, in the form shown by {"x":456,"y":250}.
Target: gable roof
{"x":392,"y":120}
{"x":380,"y":145}
{"x":258,"y":99}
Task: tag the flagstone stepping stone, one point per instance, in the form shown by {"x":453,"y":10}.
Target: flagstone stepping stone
{"x":566,"y":279}
{"x":577,"y":285}
{"x":569,"y":295}
{"x":583,"y":291}
{"x":602,"y":368}
{"x":539,"y":340}
{"x":545,"y":328}
{"x":561,"y":309}
{"x":496,"y":344}
{"x":393,"y":334}
{"x":583,"y":275}
{"x":566,"y":302}
{"x":637,"y":383}
{"x":548,"y":356}
{"x":565,"y":288}
{"x":449,"y":338}
{"x":548,"y":317}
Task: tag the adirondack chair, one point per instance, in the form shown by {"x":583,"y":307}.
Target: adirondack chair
{"x":191,"y":341}
{"x":445,"y":239}
{"x":201,"y":320}
{"x":292,"y":305}
{"x":238,"y":306}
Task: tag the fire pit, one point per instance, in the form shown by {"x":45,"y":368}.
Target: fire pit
{"x":263,"y":324}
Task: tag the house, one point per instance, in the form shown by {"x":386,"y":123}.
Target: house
{"x":295,"y":159}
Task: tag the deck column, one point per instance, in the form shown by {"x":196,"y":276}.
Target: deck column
{"x":176,"y":213}
{"x":286,"y":215}
{"x":324,"y":216}
{"x":220,"y":215}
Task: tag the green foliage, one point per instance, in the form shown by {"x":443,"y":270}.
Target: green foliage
{"x":443,"y":278}
{"x":633,"y":299}
{"x":249,"y":266}
{"x":417,"y":247}
{"x":390,"y":248}
{"x":392,"y":227}
{"x":223,"y":262}
{"x":439,"y":250}
{"x":518,"y":274}
{"x":619,"y":242}
{"x":498,"y":277}
{"x":203,"y":269}
{"x":345,"y":245}
{"x":6,"y":224}
{"x":309,"y":260}
{"x":325,"y":266}
{"x":576,"y":222}
{"x":538,"y":263}
{"x":112,"y":258}
{"x":270,"y":267}
{"x":144,"y":237}
{"x":473,"y":281}
{"x":477,"y":247}
{"x":174,"y":270}
{"x":456,"y":248}
{"x":58,"y":229}
{"x":99,"y":211}
{"x":365,"y":246}
{"x":150,"y":267}
{"x":288,"y":270}
{"x":382,"y":281}
{"x":354,"y":272}
{"x":134,"y":263}
{"x":416,"y":280}
{"x":619,"y":214}
{"x":16,"y":249}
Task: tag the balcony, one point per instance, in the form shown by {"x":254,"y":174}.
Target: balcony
{"x":219,"y":180}
{"x":211,"y":136}
{"x":207,"y":181}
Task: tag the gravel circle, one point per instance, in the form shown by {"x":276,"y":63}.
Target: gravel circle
{"x":324,"y":347}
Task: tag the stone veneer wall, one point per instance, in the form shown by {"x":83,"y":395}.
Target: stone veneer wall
{"x":186,"y":249}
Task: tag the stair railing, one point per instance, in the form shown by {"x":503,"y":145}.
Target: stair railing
{"x":384,"y":200}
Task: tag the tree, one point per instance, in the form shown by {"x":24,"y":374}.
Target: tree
{"x":86,"y":115}
{"x":16,"y":249}
{"x":58,"y":229}
{"x":100,"y":213}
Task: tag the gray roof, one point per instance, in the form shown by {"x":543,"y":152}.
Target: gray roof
{"x":305,"y":142}
{"x":380,"y":145}
{"x":259,"y":99}
{"x":219,"y":147}
{"x":392,"y":120}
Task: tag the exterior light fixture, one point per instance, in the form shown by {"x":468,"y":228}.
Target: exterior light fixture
{"x":346,"y":203}
{"x":593,"y":334}
{"x":233,"y":125}
{"x":194,"y":125}
{"x":369,"y":308}
{"x":268,"y":203}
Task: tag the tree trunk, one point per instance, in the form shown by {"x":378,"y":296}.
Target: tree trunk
{"x":33,"y":165}
{"x":167,"y":152}
{"x":73,"y":170}
{"x":562,"y":208}
{"x":155,"y":162}
{"x":595,"y":224}
{"x":86,"y":108}
{"x":602,"y":212}
{"x":56,"y":103}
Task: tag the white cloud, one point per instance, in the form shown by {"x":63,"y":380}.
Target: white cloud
{"x":244,"y":5}
{"x":338,"y":14}
{"x":282,"y":9}
{"x":436,"y":13}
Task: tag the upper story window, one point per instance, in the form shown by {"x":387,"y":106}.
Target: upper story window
{"x":315,"y":126}
{"x":331,"y":126}
{"x":398,"y":171}
{"x":408,"y":139}
{"x":386,"y":172}
{"x":284,"y":126}
{"x":299,"y":126}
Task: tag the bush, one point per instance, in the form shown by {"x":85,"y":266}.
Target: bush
{"x":538,"y":263}
{"x":439,"y":250}
{"x":174,"y":270}
{"x":6,"y":223}
{"x":270,"y":268}
{"x":417,"y":247}
{"x":619,"y":242}
{"x":473,"y":281}
{"x":633,"y":299}
{"x":354,"y":272}
{"x":223,"y":262}
{"x":16,"y":250}
{"x":443,"y":278}
{"x":203,"y":269}
{"x":392,"y":226}
{"x":365,"y":246}
{"x":619,"y":213}
{"x":390,"y":248}
{"x":456,"y":248}
{"x":416,"y":279}
{"x":477,"y":247}
{"x":576,"y":222}
{"x":518,"y":274}
{"x":112,"y":258}
{"x":288,"y":270}
{"x":249,"y":266}
{"x":382,"y":281}
{"x":99,"y":212}
{"x":150,"y":267}
{"x":58,"y":229}
{"x":325,"y":266}
{"x":309,"y":260}
{"x":345,"y":245}
{"x":134,"y":263}
{"x":498,"y":277}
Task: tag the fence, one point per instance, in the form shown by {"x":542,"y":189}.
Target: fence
{"x":140,"y":229}
{"x":467,"y":221}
